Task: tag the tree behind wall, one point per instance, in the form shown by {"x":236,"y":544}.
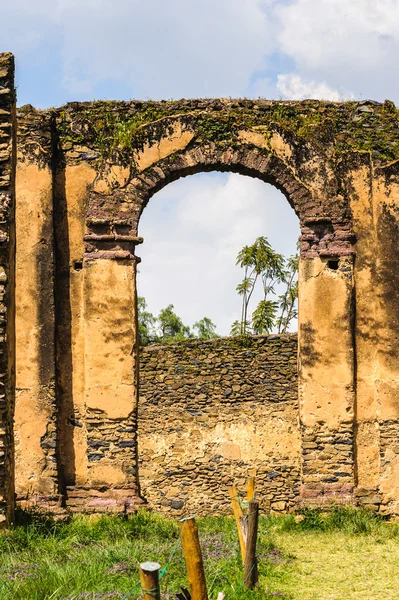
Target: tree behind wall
{"x":265,"y":268}
{"x":168,"y":327}
{"x":205,"y":329}
{"x":288,"y":300}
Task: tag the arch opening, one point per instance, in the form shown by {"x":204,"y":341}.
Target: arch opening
{"x":224,"y":406}
{"x":193,"y":230}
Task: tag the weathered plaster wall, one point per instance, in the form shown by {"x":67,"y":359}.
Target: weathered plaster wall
{"x":70,"y":185}
{"x":110,"y":418}
{"x":35,"y":411}
{"x":327,"y":378}
{"x":386,"y":211}
{"x":374,"y":198}
{"x":7,"y":282}
{"x":211,"y":412}
{"x":86,"y":172}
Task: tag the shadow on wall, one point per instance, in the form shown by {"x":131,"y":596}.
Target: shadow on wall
{"x":67,"y":419}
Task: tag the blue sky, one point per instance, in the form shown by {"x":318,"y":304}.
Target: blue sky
{"x":122,"y":49}
{"x":85,"y":49}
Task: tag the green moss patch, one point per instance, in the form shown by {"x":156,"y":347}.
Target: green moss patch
{"x":118,"y":128}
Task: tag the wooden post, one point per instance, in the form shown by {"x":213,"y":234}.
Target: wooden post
{"x":149,"y":578}
{"x":251,"y":488}
{"x":238,"y":514}
{"x":250,"y":565}
{"x":193,"y":558}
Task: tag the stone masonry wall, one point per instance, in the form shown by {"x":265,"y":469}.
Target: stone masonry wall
{"x":85,"y":173}
{"x":213,"y":412}
{"x":7,"y":267}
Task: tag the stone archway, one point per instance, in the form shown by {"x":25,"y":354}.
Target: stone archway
{"x":88,"y":170}
{"x":326,"y":359}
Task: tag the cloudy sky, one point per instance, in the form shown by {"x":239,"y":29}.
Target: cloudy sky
{"x":122,"y":49}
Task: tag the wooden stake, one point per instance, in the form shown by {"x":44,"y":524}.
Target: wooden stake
{"x":238,"y":514}
{"x":250,"y":565}
{"x":149,"y":577}
{"x":251,"y":488}
{"x":193,"y":558}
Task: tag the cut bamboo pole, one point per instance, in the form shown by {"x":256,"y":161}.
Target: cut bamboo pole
{"x":250,"y":565}
{"x":251,"y":488}
{"x":193,"y":558}
{"x":238,"y":514}
{"x":149,"y":578}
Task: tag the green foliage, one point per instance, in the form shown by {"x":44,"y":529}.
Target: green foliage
{"x":147,"y":323}
{"x":219,"y":128}
{"x":90,"y":557}
{"x":97,"y":557}
{"x":205,"y":329}
{"x":265,"y":267}
{"x":241,"y":328}
{"x":351,"y":520}
{"x":264,"y":316}
{"x":288,"y":300}
{"x":171,"y":326}
{"x":113,"y":130}
{"x":131,"y":132}
{"x":168,"y":327}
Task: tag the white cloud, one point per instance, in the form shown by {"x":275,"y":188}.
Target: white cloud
{"x":350,"y":45}
{"x":164,"y":49}
{"x":157,"y":49}
{"x":179,"y":48}
{"x":338,"y":32}
{"x":293,"y":87}
{"x":193,"y":230}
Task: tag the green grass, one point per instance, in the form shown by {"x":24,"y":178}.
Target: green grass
{"x":344,"y":554}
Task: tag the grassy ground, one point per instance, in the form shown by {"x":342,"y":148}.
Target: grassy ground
{"x":343,"y":555}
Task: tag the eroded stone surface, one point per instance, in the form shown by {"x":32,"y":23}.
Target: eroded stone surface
{"x":7,"y":285}
{"x":212,"y":411}
{"x":85,"y":172}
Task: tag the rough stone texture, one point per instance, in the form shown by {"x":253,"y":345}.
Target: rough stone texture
{"x":327,"y":378}
{"x":7,"y":276}
{"x":87,"y":171}
{"x":210,"y":413}
{"x":106,"y":479}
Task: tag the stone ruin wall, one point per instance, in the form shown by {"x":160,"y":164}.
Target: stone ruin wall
{"x":81,"y":175}
{"x":7,"y":283}
{"x":213,"y":412}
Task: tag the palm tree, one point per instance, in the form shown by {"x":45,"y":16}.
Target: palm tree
{"x":260,"y":262}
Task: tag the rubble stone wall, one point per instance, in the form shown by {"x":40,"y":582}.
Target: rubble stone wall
{"x":213,"y":412}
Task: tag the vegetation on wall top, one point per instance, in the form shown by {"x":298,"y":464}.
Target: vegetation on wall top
{"x":117,"y":128}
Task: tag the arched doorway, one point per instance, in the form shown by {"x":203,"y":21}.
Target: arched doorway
{"x":326,"y":366}
{"x":212,"y":411}
{"x":97,"y":201}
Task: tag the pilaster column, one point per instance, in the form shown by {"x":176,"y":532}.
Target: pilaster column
{"x":326,"y":377}
{"x":110,"y":377}
{"x":35,"y":423}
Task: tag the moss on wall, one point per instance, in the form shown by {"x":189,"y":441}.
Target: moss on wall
{"x":113,"y":156}
{"x":117,"y":128}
